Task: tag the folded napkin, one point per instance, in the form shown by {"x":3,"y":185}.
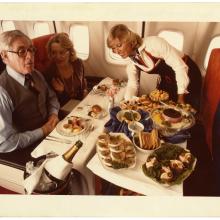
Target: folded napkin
{"x":31,"y":182}
{"x":177,"y":138}
{"x":114,"y":125}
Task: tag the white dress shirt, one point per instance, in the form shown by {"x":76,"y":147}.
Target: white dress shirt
{"x":158,"y":48}
{"x":10,"y":138}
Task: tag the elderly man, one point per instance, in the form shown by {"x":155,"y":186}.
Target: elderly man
{"x":28,"y":107}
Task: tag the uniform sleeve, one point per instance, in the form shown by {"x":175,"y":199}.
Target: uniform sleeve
{"x":173,"y":59}
{"x":133,"y":85}
{"x":10,"y":138}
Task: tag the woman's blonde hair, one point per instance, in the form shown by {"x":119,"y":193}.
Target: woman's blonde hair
{"x":65,"y":42}
{"x":122,"y":33}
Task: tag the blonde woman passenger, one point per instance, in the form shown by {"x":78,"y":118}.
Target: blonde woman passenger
{"x":179,"y":74}
{"x":66,"y":72}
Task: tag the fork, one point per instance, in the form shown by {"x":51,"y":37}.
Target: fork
{"x":61,"y":140}
{"x":90,"y":128}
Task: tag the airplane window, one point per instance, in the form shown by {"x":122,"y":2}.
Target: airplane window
{"x":41,"y":28}
{"x":215,"y":43}
{"x":174,"y":38}
{"x":8,"y":25}
{"x":79,"y":34}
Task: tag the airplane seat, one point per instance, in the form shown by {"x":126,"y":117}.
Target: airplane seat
{"x":2,"y":65}
{"x":211,"y":95}
{"x":211,"y":113}
{"x":41,"y":59}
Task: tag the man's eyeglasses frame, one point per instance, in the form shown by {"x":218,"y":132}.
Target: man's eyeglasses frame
{"x":23,"y":52}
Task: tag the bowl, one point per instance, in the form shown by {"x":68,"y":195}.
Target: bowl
{"x":168,"y":128}
{"x":135,"y":127}
{"x":136,"y":142}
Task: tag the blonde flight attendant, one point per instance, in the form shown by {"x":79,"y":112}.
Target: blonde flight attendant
{"x":179,"y":75}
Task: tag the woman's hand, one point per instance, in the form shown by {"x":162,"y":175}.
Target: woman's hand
{"x":181,"y":99}
{"x":57,"y":85}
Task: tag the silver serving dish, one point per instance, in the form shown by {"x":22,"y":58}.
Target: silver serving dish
{"x":167,"y":128}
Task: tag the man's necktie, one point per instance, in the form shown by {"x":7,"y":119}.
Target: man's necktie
{"x":28,"y":81}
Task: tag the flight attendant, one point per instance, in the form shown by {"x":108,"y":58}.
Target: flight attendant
{"x":179,"y":75}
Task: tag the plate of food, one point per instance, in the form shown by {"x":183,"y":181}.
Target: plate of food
{"x":169,"y":121}
{"x":158,"y":95}
{"x":183,"y":106}
{"x":169,"y":165}
{"x":143,"y":103}
{"x":118,"y":82}
{"x":146,"y":142}
{"x":128,"y":116}
{"x":72,"y":126}
{"x":100,"y":89}
{"x":96,"y":111}
{"x":116,"y":151}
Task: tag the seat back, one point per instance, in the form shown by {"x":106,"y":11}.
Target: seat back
{"x":211,"y":95}
{"x":41,"y":58}
{"x":2,"y":65}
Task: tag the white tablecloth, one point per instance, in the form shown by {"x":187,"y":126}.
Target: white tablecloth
{"x":86,"y":152}
{"x":134,"y":178}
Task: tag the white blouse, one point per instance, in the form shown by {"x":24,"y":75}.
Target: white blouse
{"x":158,"y":48}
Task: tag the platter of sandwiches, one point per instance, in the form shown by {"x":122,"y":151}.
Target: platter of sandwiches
{"x":170,"y":164}
{"x":116,"y":151}
{"x":143,"y":102}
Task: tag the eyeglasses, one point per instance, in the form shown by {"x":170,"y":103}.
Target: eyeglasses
{"x":23,"y":51}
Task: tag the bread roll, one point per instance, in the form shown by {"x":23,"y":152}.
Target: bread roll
{"x":96,"y":108}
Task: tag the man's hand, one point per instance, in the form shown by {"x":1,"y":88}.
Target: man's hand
{"x":47,"y":128}
{"x":50,"y":124}
{"x":53,"y":120}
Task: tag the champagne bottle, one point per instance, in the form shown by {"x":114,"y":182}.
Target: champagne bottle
{"x":57,"y":169}
{"x":68,"y":155}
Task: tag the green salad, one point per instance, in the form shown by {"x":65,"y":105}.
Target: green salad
{"x":170,"y":164}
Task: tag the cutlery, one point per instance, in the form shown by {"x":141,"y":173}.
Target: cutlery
{"x":65,"y":141}
{"x":90,"y":129}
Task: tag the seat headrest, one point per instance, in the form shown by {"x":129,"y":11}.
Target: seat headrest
{"x":41,"y":58}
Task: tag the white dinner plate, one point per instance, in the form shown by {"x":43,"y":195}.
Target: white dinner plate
{"x":69,"y":132}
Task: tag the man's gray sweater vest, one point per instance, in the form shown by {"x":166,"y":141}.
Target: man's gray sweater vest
{"x":30,"y":107}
